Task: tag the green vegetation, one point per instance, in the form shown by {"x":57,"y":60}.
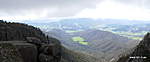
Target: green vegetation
{"x":71,"y":31}
{"x":77,"y":39}
{"x":131,"y":35}
{"x":80,"y":40}
{"x":136,"y":38}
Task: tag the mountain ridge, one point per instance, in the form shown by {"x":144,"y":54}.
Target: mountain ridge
{"x":140,"y":53}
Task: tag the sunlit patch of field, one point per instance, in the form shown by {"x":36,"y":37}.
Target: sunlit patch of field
{"x":80,"y":40}
{"x":71,"y":31}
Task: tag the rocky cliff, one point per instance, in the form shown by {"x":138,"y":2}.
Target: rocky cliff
{"x":24,"y":43}
{"x":141,"y":53}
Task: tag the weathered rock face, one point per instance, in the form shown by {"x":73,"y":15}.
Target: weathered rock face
{"x":141,"y":53}
{"x":9,"y":53}
{"x":28,"y":51}
{"x":30,"y":44}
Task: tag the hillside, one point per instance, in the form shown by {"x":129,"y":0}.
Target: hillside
{"x":97,"y":43}
{"x":140,"y":53}
{"x":74,"y":56}
{"x":25,"y":43}
{"x":104,"y":41}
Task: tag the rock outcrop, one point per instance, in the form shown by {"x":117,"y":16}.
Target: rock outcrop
{"x":25,"y":43}
{"x":141,"y":53}
{"x":9,"y":53}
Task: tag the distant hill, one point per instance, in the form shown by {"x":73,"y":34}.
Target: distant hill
{"x":97,"y":38}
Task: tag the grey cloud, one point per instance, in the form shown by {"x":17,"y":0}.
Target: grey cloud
{"x":56,"y":8}
{"x":64,"y":7}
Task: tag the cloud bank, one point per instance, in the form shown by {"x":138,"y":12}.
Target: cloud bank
{"x":119,"y":9}
{"x":43,"y":8}
{"x":38,"y":9}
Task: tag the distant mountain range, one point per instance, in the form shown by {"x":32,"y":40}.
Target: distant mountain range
{"x":134,"y":29}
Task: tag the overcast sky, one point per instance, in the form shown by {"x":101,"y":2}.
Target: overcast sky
{"x":43,"y":9}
